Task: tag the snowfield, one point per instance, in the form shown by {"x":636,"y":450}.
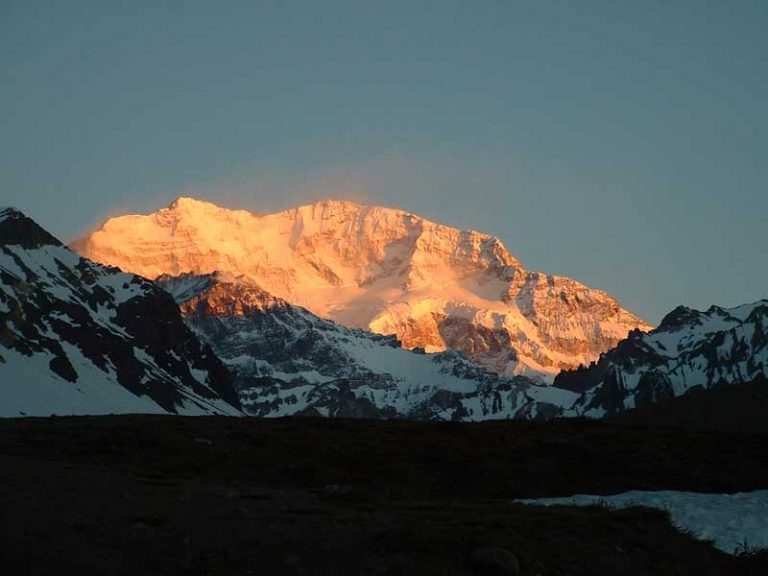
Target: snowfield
{"x":730,"y":521}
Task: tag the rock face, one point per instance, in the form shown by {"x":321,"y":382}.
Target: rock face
{"x":380,"y":269}
{"x":286,"y":361}
{"x":690,"y":349}
{"x":80,"y":338}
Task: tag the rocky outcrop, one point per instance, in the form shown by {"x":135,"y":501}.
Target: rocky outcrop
{"x":80,"y":338}
{"x":386,"y":270}
{"x":689,"y":350}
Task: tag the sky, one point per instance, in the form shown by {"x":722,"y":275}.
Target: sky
{"x":624,"y":144}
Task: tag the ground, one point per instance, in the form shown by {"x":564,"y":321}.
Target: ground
{"x":216,"y":495}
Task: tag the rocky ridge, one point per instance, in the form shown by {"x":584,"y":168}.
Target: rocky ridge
{"x":689,"y":350}
{"x":287,"y":361}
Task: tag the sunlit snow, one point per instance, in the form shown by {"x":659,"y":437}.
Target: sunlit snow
{"x":380,"y":269}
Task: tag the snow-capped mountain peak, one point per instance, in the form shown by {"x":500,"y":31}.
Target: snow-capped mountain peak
{"x":382,"y":269}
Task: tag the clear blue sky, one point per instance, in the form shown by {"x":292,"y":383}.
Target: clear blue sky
{"x":624,"y":144}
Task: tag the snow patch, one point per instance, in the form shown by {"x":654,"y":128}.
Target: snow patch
{"x":728,"y":520}
{"x":30,"y":388}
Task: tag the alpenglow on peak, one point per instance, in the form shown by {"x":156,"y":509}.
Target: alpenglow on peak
{"x":386,"y":270}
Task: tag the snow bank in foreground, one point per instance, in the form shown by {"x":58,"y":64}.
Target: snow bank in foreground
{"x":727,"y":519}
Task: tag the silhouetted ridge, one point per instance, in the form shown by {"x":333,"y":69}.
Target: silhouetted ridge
{"x":17,"y":229}
{"x":680,"y":316}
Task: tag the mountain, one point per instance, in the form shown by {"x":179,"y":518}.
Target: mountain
{"x":287,"y":361}
{"x":380,"y":269}
{"x":689,"y":350}
{"x":80,"y":338}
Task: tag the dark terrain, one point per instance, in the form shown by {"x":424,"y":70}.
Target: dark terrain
{"x":216,"y":495}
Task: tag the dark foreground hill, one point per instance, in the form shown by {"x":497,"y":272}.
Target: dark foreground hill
{"x":216,"y":495}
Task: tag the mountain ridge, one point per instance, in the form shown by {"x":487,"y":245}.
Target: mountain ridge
{"x":287,"y":361}
{"x":77,"y":337}
{"x":689,"y":349}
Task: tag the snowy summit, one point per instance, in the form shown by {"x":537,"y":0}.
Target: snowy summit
{"x":381,"y":269}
